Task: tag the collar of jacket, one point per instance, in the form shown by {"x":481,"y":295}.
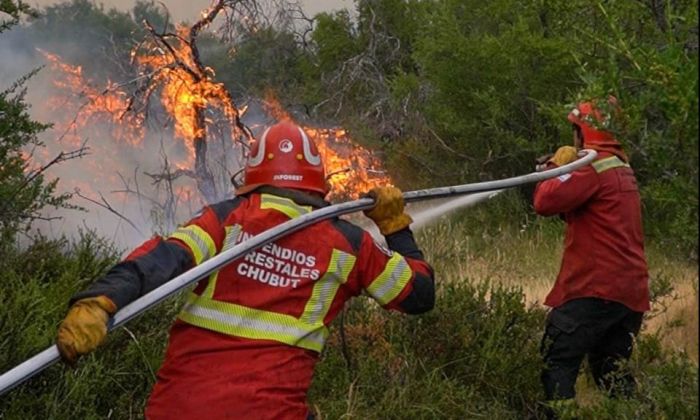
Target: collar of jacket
{"x":297,"y":196}
{"x":607,"y":150}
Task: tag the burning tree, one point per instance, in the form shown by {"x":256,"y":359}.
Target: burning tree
{"x":170,"y":79}
{"x":170,"y":62}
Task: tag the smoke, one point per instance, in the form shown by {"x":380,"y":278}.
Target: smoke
{"x":15,"y":62}
{"x":121,"y":202}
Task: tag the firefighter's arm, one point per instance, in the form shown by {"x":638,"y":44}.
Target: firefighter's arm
{"x":155,"y":262}
{"x":150,"y":265}
{"x":397,"y":281}
{"x":421,"y":297}
{"x":85,"y":326}
{"x":566,"y":192}
{"x":405,"y":282}
{"x":158,"y":260}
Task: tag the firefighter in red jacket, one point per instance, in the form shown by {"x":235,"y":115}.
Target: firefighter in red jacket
{"x":248,"y":338}
{"x":601,"y":291}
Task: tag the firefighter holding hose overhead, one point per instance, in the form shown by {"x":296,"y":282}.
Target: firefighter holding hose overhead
{"x":247,"y":340}
{"x":602,"y":290}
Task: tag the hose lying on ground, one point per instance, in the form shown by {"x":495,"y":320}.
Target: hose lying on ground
{"x":46,"y":358}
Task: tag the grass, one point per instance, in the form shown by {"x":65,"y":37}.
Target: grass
{"x":530,"y":257}
{"x":474,"y":356}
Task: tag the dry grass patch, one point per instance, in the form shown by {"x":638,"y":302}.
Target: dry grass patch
{"x":530,"y":258}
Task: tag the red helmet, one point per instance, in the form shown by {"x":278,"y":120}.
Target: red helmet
{"x":593,"y":123}
{"x":284,"y":157}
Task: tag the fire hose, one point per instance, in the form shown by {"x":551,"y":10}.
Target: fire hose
{"x":48,"y":357}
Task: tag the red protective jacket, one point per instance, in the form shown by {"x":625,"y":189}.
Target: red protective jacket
{"x":246,"y":342}
{"x":604,"y":245}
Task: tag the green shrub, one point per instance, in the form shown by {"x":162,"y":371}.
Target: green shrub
{"x":475,"y":355}
{"x":453,"y":362}
{"x":36,"y":285}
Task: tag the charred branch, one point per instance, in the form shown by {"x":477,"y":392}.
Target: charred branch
{"x":162,"y":40}
{"x":205,"y":179}
{"x":181,"y":49}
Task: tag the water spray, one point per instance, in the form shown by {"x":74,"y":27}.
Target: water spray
{"x":48,"y":357}
{"x":421,"y":218}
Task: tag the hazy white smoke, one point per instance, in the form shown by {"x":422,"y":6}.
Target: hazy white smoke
{"x":112,"y":166}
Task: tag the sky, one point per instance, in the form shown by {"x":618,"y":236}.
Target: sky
{"x":189,"y":9}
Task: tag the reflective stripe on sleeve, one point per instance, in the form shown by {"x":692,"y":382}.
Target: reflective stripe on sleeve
{"x":284,"y":205}
{"x":198,"y":240}
{"x":318,"y":305}
{"x":608,"y":163}
{"x":232,"y":233}
{"x":391,"y":281}
{"x":240,"y":321}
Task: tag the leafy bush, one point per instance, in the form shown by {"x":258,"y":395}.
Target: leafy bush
{"x":24,"y":192}
{"x":36,"y":286}
{"x":452,"y":91}
{"x":475,"y":355}
{"x":477,"y":90}
{"x":455,"y":362}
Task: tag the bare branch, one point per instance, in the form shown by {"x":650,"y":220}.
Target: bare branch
{"x":161,"y":40}
{"x":105,"y":205}
{"x":61,"y":157}
{"x":171,"y":176}
{"x":446,"y":147}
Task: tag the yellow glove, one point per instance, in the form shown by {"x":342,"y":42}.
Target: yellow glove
{"x":387,"y":212}
{"x":84,"y":327}
{"x":564,"y":155}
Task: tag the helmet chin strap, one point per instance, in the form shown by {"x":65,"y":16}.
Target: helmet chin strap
{"x":236,"y":178}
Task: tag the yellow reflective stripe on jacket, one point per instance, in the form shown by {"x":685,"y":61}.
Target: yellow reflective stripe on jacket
{"x":391,"y":281}
{"x":284,"y":205}
{"x":232,"y":233}
{"x":326,"y":287}
{"x":240,"y":321}
{"x":608,"y":163}
{"x":198,"y":240}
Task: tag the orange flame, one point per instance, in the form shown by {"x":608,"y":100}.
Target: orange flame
{"x":109,"y":104}
{"x":185,"y":93}
{"x":185,"y":90}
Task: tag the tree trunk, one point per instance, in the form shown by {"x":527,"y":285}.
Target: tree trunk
{"x":205,"y":180}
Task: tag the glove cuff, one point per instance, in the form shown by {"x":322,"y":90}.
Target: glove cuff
{"x":102,"y":302}
{"x":395,"y":224}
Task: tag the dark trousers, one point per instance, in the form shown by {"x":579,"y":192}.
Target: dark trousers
{"x":597,"y":328}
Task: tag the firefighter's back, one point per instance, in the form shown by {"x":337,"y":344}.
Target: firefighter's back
{"x":247,"y":340}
